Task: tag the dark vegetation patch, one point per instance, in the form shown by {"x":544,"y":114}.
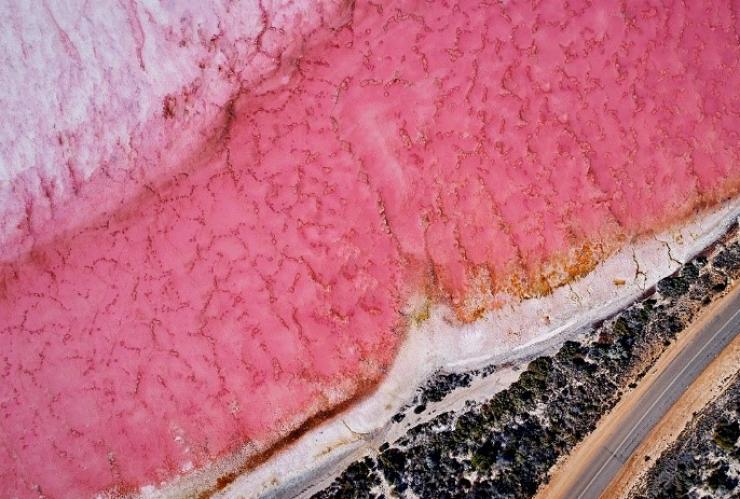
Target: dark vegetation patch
{"x":437,"y":387}
{"x":704,"y":460}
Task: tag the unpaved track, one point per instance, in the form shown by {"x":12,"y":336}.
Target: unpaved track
{"x":594,"y":463}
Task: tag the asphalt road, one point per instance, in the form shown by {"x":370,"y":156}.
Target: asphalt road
{"x":665,"y":389}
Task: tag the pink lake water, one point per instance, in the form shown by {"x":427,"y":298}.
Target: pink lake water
{"x":415,"y":147}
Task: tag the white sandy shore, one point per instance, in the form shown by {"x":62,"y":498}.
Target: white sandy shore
{"x":514,"y":333}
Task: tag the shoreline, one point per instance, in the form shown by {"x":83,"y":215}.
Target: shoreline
{"x":510,"y":335}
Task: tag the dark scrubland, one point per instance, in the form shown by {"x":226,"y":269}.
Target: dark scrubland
{"x":504,"y":447}
{"x":704,"y":461}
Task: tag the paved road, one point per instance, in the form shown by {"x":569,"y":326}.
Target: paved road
{"x":666,"y":388}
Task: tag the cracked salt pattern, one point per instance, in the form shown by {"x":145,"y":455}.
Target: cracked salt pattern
{"x":207,"y":267}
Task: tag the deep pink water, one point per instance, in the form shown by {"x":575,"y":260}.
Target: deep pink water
{"x":419,"y":144}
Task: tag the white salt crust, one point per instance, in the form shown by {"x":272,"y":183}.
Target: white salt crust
{"x":511,"y":335}
{"x":84,"y":86}
{"x":97,"y":70}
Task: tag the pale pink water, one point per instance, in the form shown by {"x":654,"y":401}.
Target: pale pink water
{"x":419,"y":143}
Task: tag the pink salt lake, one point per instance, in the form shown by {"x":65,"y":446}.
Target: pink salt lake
{"x":412,"y":148}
